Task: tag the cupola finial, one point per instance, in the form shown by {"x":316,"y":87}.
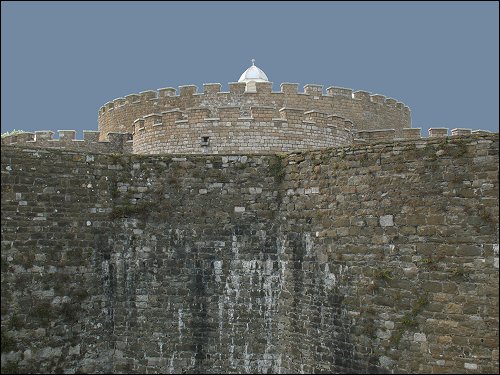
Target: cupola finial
{"x":253,"y":73}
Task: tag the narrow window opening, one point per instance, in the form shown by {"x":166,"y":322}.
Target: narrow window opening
{"x":205,"y":140}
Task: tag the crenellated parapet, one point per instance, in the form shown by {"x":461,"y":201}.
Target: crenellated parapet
{"x":115,"y":142}
{"x":226,"y":131}
{"x":367,"y":111}
{"x":390,"y":135}
{"x":198,"y":131}
{"x":249,"y":118}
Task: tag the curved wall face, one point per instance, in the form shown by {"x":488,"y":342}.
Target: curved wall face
{"x":375,"y":258}
{"x":266,"y":131}
{"x":367,"y":112}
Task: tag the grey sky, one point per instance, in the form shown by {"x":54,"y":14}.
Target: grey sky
{"x":62,"y":60}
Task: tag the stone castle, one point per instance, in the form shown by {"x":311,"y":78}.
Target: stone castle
{"x":248,"y":119}
{"x":250,"y":231}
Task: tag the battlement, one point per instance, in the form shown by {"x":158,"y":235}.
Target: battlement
{"x":266,"y":131}
{"x":231,"y":129}
{"x":389,"y":135}
{"x":197,"y":115}
{"x":115,"y":142}
{"x":261,"y":87}
{"x":365,"y":110}
{"x":240,"y":88}
{"x":198,"y":130}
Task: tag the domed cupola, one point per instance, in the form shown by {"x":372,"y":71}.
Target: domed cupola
{"x":253,"y":74}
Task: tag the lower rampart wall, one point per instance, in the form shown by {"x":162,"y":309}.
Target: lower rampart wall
{"x":55,"y":234}
{"x":391,"y":258}
{"x":374,"y":258}
{"x":114,"y":143}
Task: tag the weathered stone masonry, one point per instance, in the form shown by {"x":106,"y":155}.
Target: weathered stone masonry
{"x":365,"y":110}
{"x":372,"y":258}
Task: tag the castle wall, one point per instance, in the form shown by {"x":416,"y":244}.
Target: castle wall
{"x":195,"y":266}
{"x":379,"y":257}
{"x":115,"y":143}
{"x":267,"y":130}
{"x":391,"y":258}
{"x":174,"y":132}
{"x":366,"y":111}
{"x":55,"y":233}
{"x":178,"y":257}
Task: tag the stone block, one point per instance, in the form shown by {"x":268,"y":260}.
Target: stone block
{"x":420,"y":337}
{"x":386,"y":221}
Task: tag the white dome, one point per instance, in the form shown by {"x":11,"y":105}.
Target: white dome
{"x":253,"y":74}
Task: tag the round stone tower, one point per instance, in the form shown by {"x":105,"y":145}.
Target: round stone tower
{"x":249,"y":118}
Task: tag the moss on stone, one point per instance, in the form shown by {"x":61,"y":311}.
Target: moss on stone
{"x":42,"y":311}
{"x":277,"y":169}
{"x":8,"y":344}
